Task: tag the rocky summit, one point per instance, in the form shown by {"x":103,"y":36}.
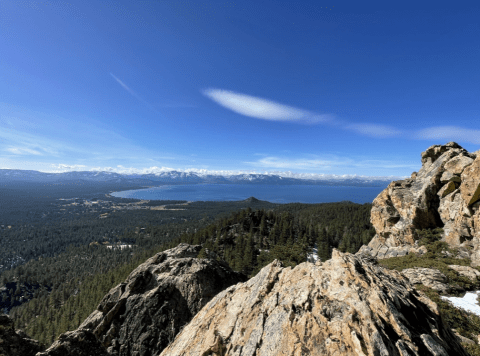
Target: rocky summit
{"x":444,"y":193}
{"x":13,"y":342}
{"x":143,"y":315}
{"x":346,"y":306}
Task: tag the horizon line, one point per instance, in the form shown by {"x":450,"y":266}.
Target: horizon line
{"x":226,"y":173}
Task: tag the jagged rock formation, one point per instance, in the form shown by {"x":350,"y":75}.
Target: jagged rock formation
{"x":429,"y":277}
{"x":433,"y":278}
{"x":76,"y":343}
{"x":15,"y":343}
{"x":345,"y":306}
{"x":444,"y":193}
{"x":142,"y":315}
{"x":466,"y":271}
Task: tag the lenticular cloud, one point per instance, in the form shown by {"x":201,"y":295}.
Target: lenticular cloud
{"x":261,"y":108}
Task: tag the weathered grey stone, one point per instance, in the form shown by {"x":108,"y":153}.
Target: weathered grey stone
{"x":142,"y":315}
{"x":470,"y":187}
{"x":76,"y":343}
{"x":433,"y":152}
{"x":346,"y":306}
{"x":429,"y":277}
{"x":466,"y":271}
{"x":383,"y":251}
{"x":446,"y":189}
{"x":464,"y":340}
{"x":449,"y":177}
{"x":15,"y":343}
{"x":457,"y":164}
{"x":444,"y":193}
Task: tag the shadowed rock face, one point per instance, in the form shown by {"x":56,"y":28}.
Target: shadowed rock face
{"x":76,"y":343}
{"x":15,"y":343}
{"x":143,"y":315}
{"x":346,"y":306}
{"x":444,"y":193}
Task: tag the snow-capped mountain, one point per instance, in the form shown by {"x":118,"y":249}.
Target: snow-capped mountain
{"x":179,"y":177}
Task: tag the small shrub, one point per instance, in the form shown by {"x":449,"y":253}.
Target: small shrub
{"x":472,"y":349}
{"x":428,"y":236}
{"x":467,"y":324}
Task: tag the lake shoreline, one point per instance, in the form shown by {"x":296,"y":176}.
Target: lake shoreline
{"x":280,"y":194}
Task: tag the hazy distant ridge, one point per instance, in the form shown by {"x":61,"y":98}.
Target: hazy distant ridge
{"x":178,"y":177}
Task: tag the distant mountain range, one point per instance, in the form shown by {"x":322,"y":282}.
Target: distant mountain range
{"x":178,"y":177}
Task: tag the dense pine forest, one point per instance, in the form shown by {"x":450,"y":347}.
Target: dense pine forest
{"x":248,"y":240}
{"x":50,"y":295}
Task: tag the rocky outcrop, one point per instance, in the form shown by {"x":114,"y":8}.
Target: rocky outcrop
{"x":345,"y":306}
{"x":142,"y":315}
{"x":466,"y":271}
{"x":15,"y":343}
{"x":384,"y":251}
{"x":76,"y":343}
{"x":444,"y":193}
{"x":429,"y":277}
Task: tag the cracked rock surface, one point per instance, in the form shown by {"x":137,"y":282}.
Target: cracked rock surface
{"x":429,"y":277}
{"x":345,"y":306}
{"x":444,"y":193}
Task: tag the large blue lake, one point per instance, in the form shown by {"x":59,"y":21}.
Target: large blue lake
{"x":271,"y":193}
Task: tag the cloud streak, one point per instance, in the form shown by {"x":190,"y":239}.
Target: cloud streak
{"x":265,"y":109}
{"x":135,"y":95}
{"x":449,"y":133}
{"x":260,"y":108}
{"x":375,"y":130}
{"x":327,"y":164}
{"x":23,"y":151}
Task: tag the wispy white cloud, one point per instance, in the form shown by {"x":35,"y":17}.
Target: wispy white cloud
{"x":375,"y":130}
{"x":449,"y":133}
{"x":57,"y":168}
{"x":26,"y":136}
{"x":265,"y":109}
{"x":134,"y":94}
{"x":124,"y":86}
{"x":260,"y":108}
{"x":23,"y":151}
{"x":328,"y":163}
{"x":279,"y":163}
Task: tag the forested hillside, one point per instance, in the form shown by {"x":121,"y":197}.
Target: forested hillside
{"x":54,"y":294}
{"x":45,"y":227}
{"x":248,"y":240}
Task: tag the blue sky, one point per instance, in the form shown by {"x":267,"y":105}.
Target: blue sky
{"x":312,"y":87}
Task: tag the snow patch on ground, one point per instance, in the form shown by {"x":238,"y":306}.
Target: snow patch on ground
{"x":468,"y":302}
{"x":313,"y":256}
{"x":121,"y":247}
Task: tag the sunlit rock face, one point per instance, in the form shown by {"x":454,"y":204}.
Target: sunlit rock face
{"x":444,"y":193}
{"x":345,"y":306}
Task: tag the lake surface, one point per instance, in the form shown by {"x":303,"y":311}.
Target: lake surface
{"x":272,"y":193}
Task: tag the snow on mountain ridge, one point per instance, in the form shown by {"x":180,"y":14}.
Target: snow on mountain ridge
{"x":192,"y":176}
